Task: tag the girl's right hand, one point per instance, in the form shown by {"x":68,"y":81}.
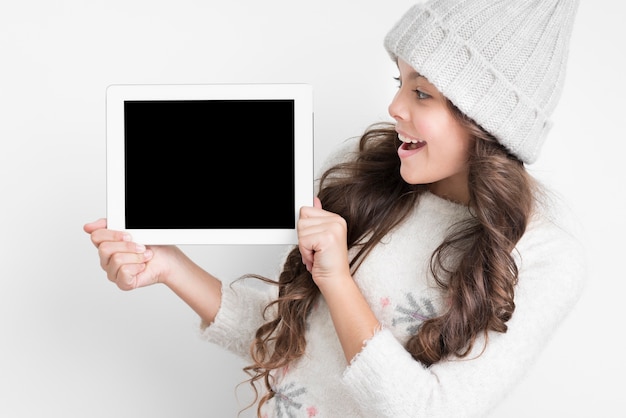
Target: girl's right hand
{"x":128,"y":264}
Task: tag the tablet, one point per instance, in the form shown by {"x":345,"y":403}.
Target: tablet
{"x":210,"y":163}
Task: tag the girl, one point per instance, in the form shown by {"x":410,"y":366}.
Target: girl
{"x":432,"y":268}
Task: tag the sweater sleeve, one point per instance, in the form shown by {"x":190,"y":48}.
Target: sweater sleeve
{"x":388,"y":382}
{"x":239,"y":316}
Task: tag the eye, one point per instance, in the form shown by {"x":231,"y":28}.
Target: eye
{"x":421,"y":95}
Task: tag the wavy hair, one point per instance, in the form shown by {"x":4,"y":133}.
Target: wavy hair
{"x":473,"y":266}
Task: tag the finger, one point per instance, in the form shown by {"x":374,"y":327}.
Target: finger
{"x":305,"y":212}
{"x":312,"y":211}
{"x":308,"y":265}
{"x":307,"y":257}
{"x":116,"y":253}
{"x":124,"y":268}
{"x":308,"y":229}
{"x":97,"y":224}
{"x":103,"y":235}
{"x":313,"y":225}
{"x":127,"y":276}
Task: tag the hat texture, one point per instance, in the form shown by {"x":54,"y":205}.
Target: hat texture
{"x":501,"y":62}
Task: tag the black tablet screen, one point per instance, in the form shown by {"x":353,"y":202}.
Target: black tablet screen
{"x":209,"y":164}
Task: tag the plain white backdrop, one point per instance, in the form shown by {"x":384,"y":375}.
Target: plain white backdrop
{"x":73,"y":345}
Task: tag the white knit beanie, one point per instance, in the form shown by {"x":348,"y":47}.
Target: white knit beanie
{"x":501,"y":62}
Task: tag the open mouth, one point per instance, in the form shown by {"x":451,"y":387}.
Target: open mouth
{"x":410,"y":144}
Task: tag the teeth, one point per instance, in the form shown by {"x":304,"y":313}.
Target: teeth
{"x":409,"y":140}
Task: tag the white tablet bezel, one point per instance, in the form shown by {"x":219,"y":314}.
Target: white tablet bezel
{"x":117,"y":94}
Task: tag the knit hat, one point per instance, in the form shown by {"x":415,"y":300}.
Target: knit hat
{"x":501,"y":62}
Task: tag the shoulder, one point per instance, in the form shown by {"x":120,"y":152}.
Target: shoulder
{"x":552,"y":255}
{"x":553,"y":224}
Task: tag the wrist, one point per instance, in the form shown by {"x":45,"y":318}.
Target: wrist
{"x":173,"y":268}
{"x":338,"y":284}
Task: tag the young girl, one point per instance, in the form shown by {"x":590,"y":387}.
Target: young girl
{"x":432,"y":268}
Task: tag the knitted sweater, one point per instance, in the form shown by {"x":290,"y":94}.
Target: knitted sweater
{"x":383,"y":380}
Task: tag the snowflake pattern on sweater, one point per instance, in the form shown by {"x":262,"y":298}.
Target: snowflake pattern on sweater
{"x":414,"y":313}
{"x":286,"y":401}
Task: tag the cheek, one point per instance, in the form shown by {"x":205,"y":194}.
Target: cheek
{"x":434,"y":121}
{"x":453,"y":147}
{"x":461,"y":147}
{"x":427,"y":124}
{"x":439,"y":127}
{"x":458,"y":145}
{"x":463,"y":137}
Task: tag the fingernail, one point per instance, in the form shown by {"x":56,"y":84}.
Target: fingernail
{"x":140,"y":248}
{"x":127,"y":237}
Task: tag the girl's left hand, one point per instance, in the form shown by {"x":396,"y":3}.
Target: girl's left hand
{"x":322,"y":239}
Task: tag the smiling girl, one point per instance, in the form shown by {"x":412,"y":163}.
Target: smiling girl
{"x":432,"y":268}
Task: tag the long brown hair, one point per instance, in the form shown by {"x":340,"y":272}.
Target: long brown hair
{"x":369,"y":193}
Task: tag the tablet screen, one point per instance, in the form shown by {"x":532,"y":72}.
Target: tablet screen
{"x":216,"y":157}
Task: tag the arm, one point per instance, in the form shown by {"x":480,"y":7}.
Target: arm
{"x":390,"y":383}
{"x":322,"y":241}
{"x":196,"y":287}
{"x":352,"y":316}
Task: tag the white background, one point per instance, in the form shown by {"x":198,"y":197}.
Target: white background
{"x":73,"y":345}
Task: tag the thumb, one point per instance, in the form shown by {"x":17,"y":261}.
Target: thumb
{"x":317,"y":203}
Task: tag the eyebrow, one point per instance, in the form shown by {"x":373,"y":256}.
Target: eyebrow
{"x":415,"y":75}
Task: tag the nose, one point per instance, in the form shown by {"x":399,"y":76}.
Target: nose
{"x":396,"y":108}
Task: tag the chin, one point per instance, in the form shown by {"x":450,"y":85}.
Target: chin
{"x":410,"y":177}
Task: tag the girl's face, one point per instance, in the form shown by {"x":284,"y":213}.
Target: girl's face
{"x":435,"y":146}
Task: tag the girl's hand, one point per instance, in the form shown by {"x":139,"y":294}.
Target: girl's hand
{"x":322,"y":239}
{"x":127,"y":264}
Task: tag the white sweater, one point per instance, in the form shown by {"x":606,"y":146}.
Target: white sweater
{"x":384,"y":380}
